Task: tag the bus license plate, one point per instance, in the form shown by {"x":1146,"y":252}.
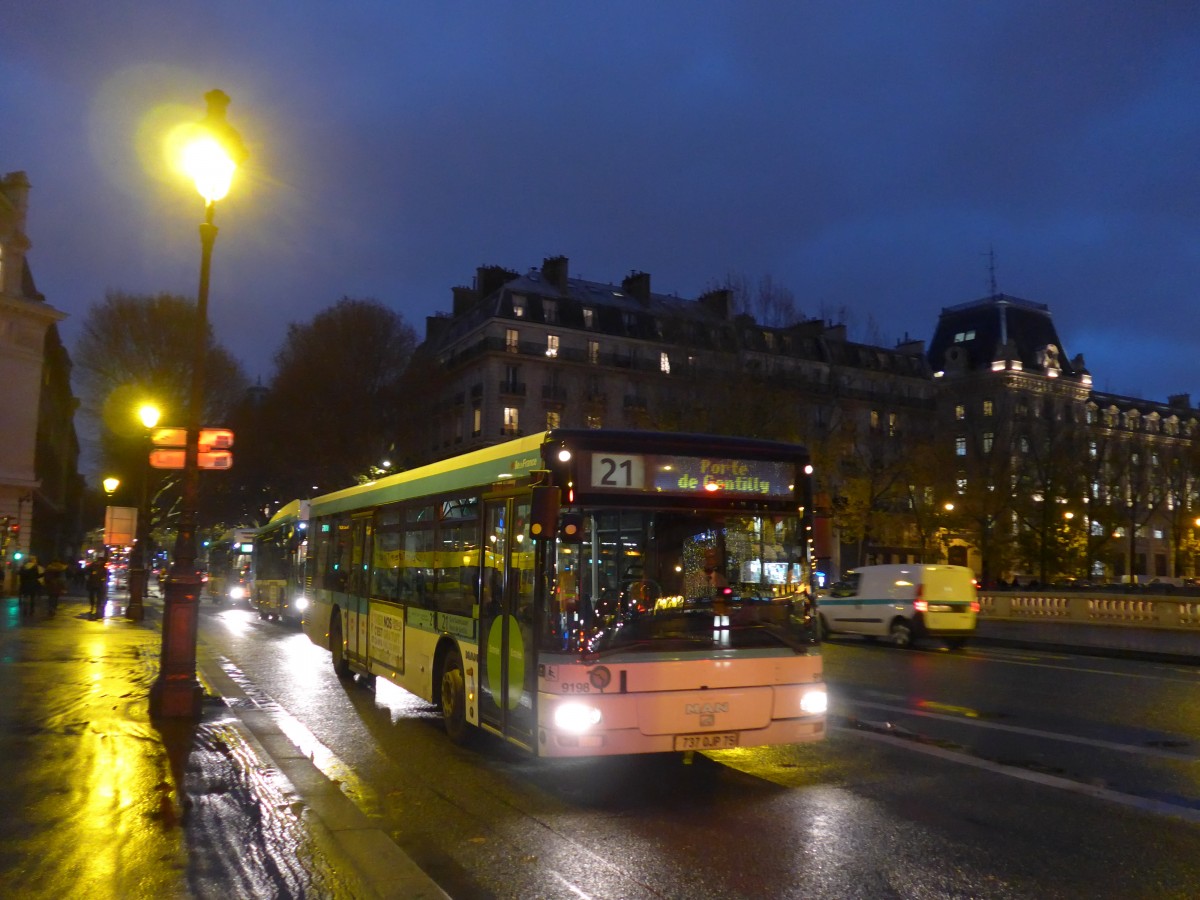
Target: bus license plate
{"x":722,"y":741}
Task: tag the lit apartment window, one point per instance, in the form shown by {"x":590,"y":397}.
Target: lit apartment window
{"x":961,"y":484}
{"x":964,"y":336}
{"x":550,"y":311}
{"x":960,"y":446}
{"x":589,"y":317}
{"x":1093,"y":450}
{"x":875,"y":420}
{"x":988,"y":407}
{"x":664,"y":363}
{"x":552,"y":345}
{"x":476,"y":421}
{"x":512,"y":420}
{"x":512,"y":340}
{"x":893,"y":424}
{"x":594,"y":352}
{"x":988,"y":440}
{"x":960,"y":412}
{"x":518,"y":306}
{"x":553,"y":419}
{"x":594,"y":421}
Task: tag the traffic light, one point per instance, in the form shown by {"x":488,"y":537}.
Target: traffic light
{"x":570,"y":528}
{"x":543,"y":511}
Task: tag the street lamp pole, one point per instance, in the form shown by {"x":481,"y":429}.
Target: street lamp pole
{"x":176,"y":692}
{"x":137,"y":573}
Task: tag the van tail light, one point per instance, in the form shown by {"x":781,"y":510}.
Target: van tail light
{"x":975,"y":606}
{"x":920,"y":604}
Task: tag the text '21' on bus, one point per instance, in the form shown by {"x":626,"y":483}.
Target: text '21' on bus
{"x":583,"y":592}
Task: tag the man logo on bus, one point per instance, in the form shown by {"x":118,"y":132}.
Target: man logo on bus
{"x":698,"y":709}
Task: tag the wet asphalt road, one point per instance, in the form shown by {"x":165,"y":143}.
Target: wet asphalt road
{"x":988,"y":773}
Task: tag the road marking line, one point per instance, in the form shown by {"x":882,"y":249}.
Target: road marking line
{"x":1158,"y":807}
{"x":1160,"y":752}
{"x":570,"y":887}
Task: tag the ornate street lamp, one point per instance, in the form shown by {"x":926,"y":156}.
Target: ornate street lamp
{"x":149,"y":415}
{"x":210,"y":160}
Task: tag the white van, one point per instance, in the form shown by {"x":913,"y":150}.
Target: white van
{"x":903,"y":602}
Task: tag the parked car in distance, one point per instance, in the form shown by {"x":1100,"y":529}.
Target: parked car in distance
{"x":903,"y":603}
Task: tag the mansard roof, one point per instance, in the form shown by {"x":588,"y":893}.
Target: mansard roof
{"x":631,"y":310}
{"x":999,"y":327}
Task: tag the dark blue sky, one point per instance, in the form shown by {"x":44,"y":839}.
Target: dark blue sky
{"x":865,"y":155}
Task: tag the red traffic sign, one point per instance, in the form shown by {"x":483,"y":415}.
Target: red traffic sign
{"x":164,"y":458}
{"x":210,"y":439}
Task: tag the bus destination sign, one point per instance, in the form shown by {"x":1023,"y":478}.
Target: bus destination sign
{"x":691,"y":475}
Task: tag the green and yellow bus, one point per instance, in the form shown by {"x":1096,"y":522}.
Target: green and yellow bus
{"x":280,"y":549}
{"x":582,"y":593}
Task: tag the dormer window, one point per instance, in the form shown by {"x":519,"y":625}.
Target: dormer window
{"x":550,"y":312}
{"x":963,"y":336}
{"x":518,"y":303}
{"x":589,"y":317}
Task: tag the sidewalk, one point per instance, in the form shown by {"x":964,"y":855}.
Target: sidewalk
{"x":98,"y":801}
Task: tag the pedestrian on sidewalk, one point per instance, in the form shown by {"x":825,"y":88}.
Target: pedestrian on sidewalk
{"x":95,"y":576}
{"x":30,"y":580}
{"x":56,"y":584}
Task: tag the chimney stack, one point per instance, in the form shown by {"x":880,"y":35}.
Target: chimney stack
{"x":718,"y":301}
{"x":637,"y":285}
{"x":554,"y":271}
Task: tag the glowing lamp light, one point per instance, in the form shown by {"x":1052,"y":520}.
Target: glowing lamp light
{"x":712,"y":487}
{"x":207,"y":163}
{"x":111,"y":485}
{"x":149,"y":414}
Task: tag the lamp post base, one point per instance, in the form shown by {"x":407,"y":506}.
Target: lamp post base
{"x":176,"y":693}
{"x":176,"y":699}
{"x":136,"y":610}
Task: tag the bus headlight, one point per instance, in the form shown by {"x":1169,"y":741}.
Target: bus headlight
{"x":301,"y":603}
{"x":576,"y":718}
{"x":814,"y":702}
{"x":237,"y":593}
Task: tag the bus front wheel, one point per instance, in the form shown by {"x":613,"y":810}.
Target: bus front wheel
{"x":337,"y":646}
{"x":454,"y":698}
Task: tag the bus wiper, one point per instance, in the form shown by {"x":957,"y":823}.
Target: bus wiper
{"x":662,"y":643}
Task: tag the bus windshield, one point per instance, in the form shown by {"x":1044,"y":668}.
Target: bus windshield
{"x":667,"y":582}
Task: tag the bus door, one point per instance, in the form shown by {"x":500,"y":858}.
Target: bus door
{"x":507,"y":679}
{"x":357,"y":580}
